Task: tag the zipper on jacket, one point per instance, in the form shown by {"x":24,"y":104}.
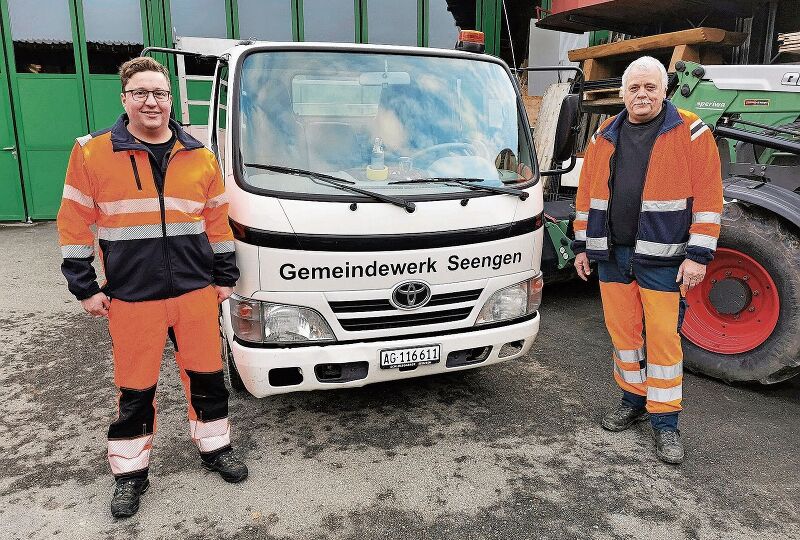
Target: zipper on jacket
{"x":161,"y":203}
{"x":135,"y":171}
{"x":641,"y":202}
{"x":612,"y":166}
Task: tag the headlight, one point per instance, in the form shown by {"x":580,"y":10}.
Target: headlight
{"x":284,"y":323}
{"x":516,"y":301}
{"x":266,"y":322}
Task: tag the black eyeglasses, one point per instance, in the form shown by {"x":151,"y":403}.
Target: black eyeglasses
{"x":140,"y":94}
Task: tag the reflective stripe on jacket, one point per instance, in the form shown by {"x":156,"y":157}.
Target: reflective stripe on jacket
{"x":681,"y":203}
{"x":154,"y":244}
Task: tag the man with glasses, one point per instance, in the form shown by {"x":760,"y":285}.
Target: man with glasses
{"x":157,"y":199}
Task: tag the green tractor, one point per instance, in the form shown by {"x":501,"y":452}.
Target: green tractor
{"x":743,"y":321}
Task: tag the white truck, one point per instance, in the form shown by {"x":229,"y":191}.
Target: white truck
{"x":386,"y":208}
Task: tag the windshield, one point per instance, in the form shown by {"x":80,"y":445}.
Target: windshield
{"x":385,"y":122}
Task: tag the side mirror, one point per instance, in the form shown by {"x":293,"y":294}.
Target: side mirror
{"x":566,"y":129}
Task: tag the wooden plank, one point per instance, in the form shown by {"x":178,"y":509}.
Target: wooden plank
{"x":683,"y":52}
{"x":600,"y":91}
{"x":695,"y":36}
{"x":594,"y":70}
{"x":607,"y":101}
{"x":593,"y":95}
{"x":532,"y":106}
{"x":711,"y":57}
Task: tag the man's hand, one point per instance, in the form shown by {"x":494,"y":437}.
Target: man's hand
{"x":690,"y":273}
{"x":582,"y":266}
{"x":97,"y":305}
{"x":223,"y":293}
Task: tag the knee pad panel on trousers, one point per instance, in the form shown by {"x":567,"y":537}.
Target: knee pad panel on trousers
{"x":209,"y":396}
{"x":137,"y":413}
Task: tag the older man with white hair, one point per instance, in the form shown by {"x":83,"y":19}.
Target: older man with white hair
{"x":648,"y":211}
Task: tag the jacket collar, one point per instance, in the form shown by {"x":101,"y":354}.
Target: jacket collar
{"x":672,"y":119}
{"x":121,"y":138}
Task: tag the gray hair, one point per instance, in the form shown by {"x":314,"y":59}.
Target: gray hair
{"x":645,"y":63}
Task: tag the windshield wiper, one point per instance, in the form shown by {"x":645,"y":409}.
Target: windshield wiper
{"x":467,"y":183}
{"x":339,"y":183}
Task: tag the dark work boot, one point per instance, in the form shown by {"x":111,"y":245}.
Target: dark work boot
{"x":229,"y":466}
{"x":669,"y":447}
{"x":623,"y":417}
{"x":125,"y":501}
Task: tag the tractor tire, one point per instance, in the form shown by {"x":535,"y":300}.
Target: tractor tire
{"x":756,"y":273}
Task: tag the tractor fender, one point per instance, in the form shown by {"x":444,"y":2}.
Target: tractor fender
{"x":776,"y":199}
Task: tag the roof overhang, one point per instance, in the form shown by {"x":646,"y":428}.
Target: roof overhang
{"x":641,"y":17}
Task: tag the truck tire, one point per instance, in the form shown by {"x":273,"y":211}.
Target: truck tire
{"x":233,"y":374}
{"x":742,"y":322}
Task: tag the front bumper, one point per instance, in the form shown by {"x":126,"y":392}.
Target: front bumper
{"x":254,"y":364}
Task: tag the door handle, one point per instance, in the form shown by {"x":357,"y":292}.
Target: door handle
{"x":12,"y":149}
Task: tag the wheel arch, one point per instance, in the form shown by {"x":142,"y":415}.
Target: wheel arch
{"x":774,"y":199}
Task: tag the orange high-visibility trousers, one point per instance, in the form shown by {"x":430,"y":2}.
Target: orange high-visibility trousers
{"x":658,"y":375}
{"x":139,"y":332}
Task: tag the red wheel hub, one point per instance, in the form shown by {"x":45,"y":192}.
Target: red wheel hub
{"x":735,"y":308}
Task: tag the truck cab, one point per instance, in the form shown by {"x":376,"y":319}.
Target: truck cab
{"x":386,"y":209}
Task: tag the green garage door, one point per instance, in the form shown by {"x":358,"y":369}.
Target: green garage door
{"x":11,"y":204}
{"x":63,"y":57}
{"x":47,"y":92}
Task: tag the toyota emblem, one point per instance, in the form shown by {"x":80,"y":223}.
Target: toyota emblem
{"x":411,"y":295}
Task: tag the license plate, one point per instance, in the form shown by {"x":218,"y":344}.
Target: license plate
{"x":412,"y":356}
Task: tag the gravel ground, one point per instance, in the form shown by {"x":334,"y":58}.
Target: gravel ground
{"x":512,"y":451}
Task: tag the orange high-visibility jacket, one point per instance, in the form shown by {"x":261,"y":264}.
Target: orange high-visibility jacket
{"x":155,"y":243}
{"x":681,"y":203}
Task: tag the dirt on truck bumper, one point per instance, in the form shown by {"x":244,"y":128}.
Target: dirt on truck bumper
{"x":302,"y":367}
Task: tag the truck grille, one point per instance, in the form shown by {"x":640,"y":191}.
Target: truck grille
{"x":398,"y":318}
